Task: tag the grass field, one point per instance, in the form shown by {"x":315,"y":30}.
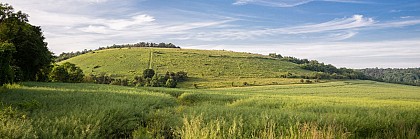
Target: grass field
{"x":340,"y":109}
{"x":207,"y":68}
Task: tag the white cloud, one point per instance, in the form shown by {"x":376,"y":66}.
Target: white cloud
{"x":273,"y":3}
{"x":95,"y":29}
{"x":71,"y":25}
{"x":82,"y":25}
{"x":406,"y":17}
{"x":393,"y":24}
{"x":341,"y":35}
{"x":287,"y":3}
{"x":356,"y":21}
{"x":334,"y":30}
{"x":341,"y":54}
{"x":120,"y":24}
{"x":338,"y":29}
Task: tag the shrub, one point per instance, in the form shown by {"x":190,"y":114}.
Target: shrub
{"x":148,"y":73}
{"x":102,"y":78}
{"x":171,"y":83}
{"x":6,"y":70}
{"x":66,"y":72}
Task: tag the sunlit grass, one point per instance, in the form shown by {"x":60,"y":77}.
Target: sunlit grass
{"x":207,"y":68}
{"x":341,"y":109}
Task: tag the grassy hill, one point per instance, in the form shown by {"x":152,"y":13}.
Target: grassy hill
{"x":342,"y":109}
{"x":207,"y":68}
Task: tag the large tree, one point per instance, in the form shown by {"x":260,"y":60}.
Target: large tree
{"x":6,"y":71}
{"x":32,"y":54}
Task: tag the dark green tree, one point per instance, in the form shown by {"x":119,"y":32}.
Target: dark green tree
{"x":6,"y":70}
{"x":32,"y":54}
{"x":155,"y":81}
{"x":148,"y":73}
{"x":171,"y":83}
{"x":66,"y":72}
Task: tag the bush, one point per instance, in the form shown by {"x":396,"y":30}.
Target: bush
{"x":171,"y":83}
{"x":148,"y":73}
{"x":6,"y":70}
{"x":102,"y":78}
{"x":66,"y":72}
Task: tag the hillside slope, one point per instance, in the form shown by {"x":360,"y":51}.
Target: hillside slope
{"x":221,"y":68}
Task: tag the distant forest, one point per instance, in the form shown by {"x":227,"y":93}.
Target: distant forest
{"x":64,"y":56}
{"x":323,"y":71}
{"x":408,"y":76}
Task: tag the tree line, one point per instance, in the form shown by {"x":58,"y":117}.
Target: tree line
{"x":323,"y":71}
{"x":24,"y":54}
{"x":65,"y":56}
{"x":409,"y":76}
{"x":148,"y":79}
{"x":70,"y":73}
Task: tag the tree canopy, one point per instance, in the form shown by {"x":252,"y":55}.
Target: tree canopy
{"x":32,"y":54}
{"x":67,"y":72}
{"x":410,"y":76}
{"x":6,"y":71}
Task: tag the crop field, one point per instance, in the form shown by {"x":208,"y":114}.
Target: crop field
{"x":336,"y":109}
{"x":207,"y":68}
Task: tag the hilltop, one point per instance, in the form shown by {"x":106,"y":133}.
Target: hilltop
{"x":206,"y":68}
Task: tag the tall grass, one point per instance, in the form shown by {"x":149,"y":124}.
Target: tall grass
{"x":73,"y":111}
{"x":343,"y":109}
{"x":196,"y":127}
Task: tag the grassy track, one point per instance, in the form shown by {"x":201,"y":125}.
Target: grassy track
{"x":342,"y":109}
{"x":208,"y":69}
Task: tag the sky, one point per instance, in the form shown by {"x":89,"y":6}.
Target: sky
{"x":345,"y":33}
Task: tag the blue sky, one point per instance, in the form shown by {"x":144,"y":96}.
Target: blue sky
{"x":345,"y":33}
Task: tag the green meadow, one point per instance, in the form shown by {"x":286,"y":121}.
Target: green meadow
{"x":206,"y":68}
{"x":334,"y":109}
{"x":152,"y":90}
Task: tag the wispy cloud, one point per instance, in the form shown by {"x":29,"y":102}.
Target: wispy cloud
{"x":338,"y":29}
{"x":391,"y":24}
{"x":89,"y":29}
{"x":287,"y":3}
{"x":341,"y":54}
{"x":273,"y":3}
{"x":333,"y":30}
{"x":356,"y":21}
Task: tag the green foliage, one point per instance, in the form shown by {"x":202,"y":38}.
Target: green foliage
{"x":155,"y":82}
{"x":102,"y":78}
{"x":323,"y":71}
{"x":32,"y":53}
{"x":6,"y":70}
{"x":295,"y":60}
{"x":66,"y":72}
{"x":122,"y":82}
{"x":171,"y":83}
{"x":148,"y":73}
{"x":139,"y":81}
{"x":410,"y":76}
{"x":274,"y":55}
